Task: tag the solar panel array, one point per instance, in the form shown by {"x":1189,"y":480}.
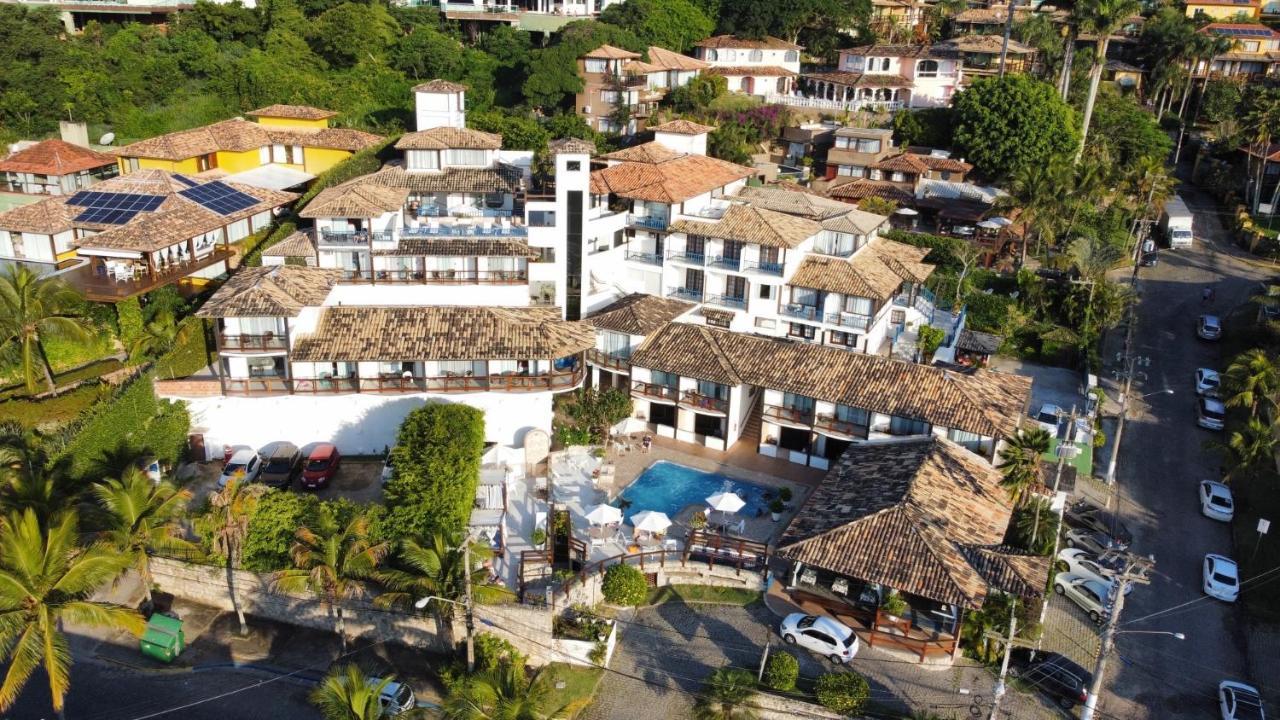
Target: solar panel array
{"x":219,"y":197}
{"x":109,"y":208}
{"x":1244,"y":32}
{"x":185,"y":180}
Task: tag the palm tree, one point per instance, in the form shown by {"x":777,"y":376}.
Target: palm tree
{"x":503,"y":693}
{"x":45,"y":581}
{"x":1038,"y":192}
{"x":1101,"y":18}
{"x":1263,"y":120}
{"x":332,"y":562}
{"x":1035,"y":526}
{"x":1252,"y":381}
{"x":989,"y":622}
{"x":157,"y":336}
{"x":1269,"y":300}
{"x":725,"y":696}
{"x":347,"y":694}
{"x":142,"y":517}
{"x":1249,"y":449}
{"x":234,"y":504}
{"x":434,"y":569}
{"x":34,"y":309}
{"x":1020,"y":462}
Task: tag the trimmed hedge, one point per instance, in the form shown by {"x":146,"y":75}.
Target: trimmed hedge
{"x":437,"y":465}
{"x":189,"y":355}
{"x":129,"y":320}
{"x":253,"y":258}
{"x":781,"y":671}
{"x":624,"y":585}
{"x":844,"y":692}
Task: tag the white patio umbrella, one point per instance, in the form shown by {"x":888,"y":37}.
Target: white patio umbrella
{"x":726,"y":502}
{"x":604,"y":514}
{"x":650,"y":521}
{"x":1001,"y":221}
{"x":990,"y":225}
{"x":905,"y":211}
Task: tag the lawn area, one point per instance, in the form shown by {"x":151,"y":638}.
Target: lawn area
{"x":1083,"y":462}
{"x":579,"y":688}
{"x":1258,"y":498}
{"x":703,"y":593}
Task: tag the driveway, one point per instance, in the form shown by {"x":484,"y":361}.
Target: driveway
{"x":1161,"y":461}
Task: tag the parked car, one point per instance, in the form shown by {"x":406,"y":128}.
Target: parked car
{"x":1150,"y":259}
{"x":281,"y":463}
{"x":1052,"y":674}
{"x":1084,"y":514}
{"x":820,"y":634}
{"x":1221,"y":578}
{"x":1091,"y":540}
{"x":1238,"y":701}
{"x":1216,"y":501}
{"x":321,"y":466}
{"x":1208,"y":382}
{"x":1090,"y":595}
{"x":244,"y":464}
{"x":1209,"y":327}
{"x":1081,"y":562}
{"x":395,"y":698}
{"x":1049,"y":414}
{"x":1211,"y":414}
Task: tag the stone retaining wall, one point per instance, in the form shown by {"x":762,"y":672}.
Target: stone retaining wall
{"x":776,"y":707}
{"x":588,"y":591}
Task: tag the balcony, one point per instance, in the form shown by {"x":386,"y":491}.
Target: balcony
{"x":648,"y":222}
{"x":690,"y":258}
{"x":102,"y":288}
{"x":252,"y":343}
{"x":256,"y":386}
{"x":725,"y":263}
{"x":650,"y":391}
{"x":849,"y":320}
{"x":484,"y":228}
{"x":727,"y":301}
{"x":764,"y":268}
{"x":609,"y":361}
{"x":791,"y":417}
{"x":830,"y":425}
{"x":437,"y":277}
{"x":393,"y":384}
{"x":684,"y":293}
{"x":355,"y":237}
{"x":801,"y":312}
{"x":704,"y":403}
{"x":328,"y":385}
{"x":645,"y":258}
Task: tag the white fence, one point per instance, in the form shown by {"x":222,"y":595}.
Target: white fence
{"x":839,"y":105}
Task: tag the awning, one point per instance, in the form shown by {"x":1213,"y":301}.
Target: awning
{"x":271,"y":177}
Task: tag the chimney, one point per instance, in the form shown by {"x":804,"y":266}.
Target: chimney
{"x":76,"y":133}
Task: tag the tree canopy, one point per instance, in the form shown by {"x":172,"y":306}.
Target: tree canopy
{"x":671,"y":24}
{"x":1005,"y":124}
{"x":437,"y":463}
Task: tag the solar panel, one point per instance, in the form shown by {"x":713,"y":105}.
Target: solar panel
{"x":110,"y":208}
{"x":192,"y":183}
{"x":219,"y":197}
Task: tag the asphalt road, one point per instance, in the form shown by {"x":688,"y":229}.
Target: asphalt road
{"x":1162,"y":459}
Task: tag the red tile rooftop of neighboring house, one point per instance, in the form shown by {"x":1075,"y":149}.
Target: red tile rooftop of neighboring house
{"x":55,"y":157}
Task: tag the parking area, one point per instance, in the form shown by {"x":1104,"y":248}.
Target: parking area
{"x":357,"y":479}
{"x":1053,"y":385}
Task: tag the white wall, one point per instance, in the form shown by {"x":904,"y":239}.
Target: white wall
{"x":692,"y":144}
{"x":414,"y":294}
{"x":440,"y":110}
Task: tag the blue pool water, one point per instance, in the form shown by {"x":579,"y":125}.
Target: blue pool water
{"x":668,"y":487}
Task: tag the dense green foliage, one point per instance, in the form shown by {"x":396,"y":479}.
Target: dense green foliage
{"x":275,"y":519}
{"x":491,"y":651}
{"x":437,"y":463}
{"x":931,"y":127}
{"x":624,"y":585}
{"x":845,"y":692}
{"x":129,"y":320}
{"x":1005,"y":124}
{"x":781,"y":671}
{"x":190,"y":352}
{"x":672,"y":24}
{"x":593,"y":412}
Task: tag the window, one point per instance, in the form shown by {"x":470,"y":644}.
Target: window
{"x":711,"y":55}
{"x":207,"y":162}
{"x":619,"y":238}
{"x":494,"y":200}
{"x":1251,"y":46}
{"x":927,"y":69}
{"x":663,"y":378}
{"x":131,"y":163}
{"x":791,"y":56}
{"x":876,"y":175}
{"x":545,"y":255}
{"x":424,"y":160}
{"x":800,"y":403}
{"x":718,"y":321}
{"x":693,"y":279}
{"x":287,"y":154}
{"x":755,"y":56}
{"x":853,"y":415}
{"x":973,"y":441}
{"x":798,"y":330}
{"x":713,"y":389}
{"x":542,"y":218}
{"x":616,"y":344}
{"x":851,"y":171}
{"x":858,"y":305}
{"x":573,"y":165}
{"x":843,"y":339}
{"x":907,"y":426}
{"x":595,"y":66}
{"x":868,"y":145}
{"x":766,"y":292}
{"x":610,"y":96}
{"x":766,"y":324}
{"x":459,"y":156}
{"x":884,"y":64}
{"x":854,"y":63}
{"x":729,"y":55}
{"x":804,"y":296}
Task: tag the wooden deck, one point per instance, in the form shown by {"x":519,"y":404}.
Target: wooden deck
{"x":100,"y":288}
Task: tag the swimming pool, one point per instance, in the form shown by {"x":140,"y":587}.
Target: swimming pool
{"x":669,"y":487}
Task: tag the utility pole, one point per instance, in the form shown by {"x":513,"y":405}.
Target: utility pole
{"x":469,"y":607}
{"x":1135,"y":570}
{"x":1130,"y":370}
{"x":1008,"y":29}
{"x":1004,"y":664}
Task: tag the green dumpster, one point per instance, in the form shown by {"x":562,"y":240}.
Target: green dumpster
{"x":163,"y":639}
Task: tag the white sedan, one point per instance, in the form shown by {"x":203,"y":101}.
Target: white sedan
{"x":1090,"y":595}
{"x":820,"y":634}
{"x":1239,"y":701}
{"x":1216,"y":501}
{"x":1077,"y":561}
{"x":1221,"y":578}
{"x":1207,"y":382}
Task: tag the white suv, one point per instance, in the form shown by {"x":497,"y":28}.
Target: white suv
{"x":820,"y":634}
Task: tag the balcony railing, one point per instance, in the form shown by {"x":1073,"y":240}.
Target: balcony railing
{"x":830,"y":425}
{"x":612,"y":361}
{"x":354,"y":237}
{"x":466,"y":230}
{"x":692,"y":258}
{"x":764,"y":268}
{"x":320,"y":386}
{"x":266,"y":385}
{"x":705,"y":403}
{"x":803,"y":312}
{"x":442,"y":384}
{"x":901,"y":300}
{"x":788,"y":416}
{"x":683,"y":293}
{"x":438,"y":277}
{"x":727,"y":301}
{"x":652,"y":222}
{"x":650,"y":391}
{"x":644,"y":257}
{"x":725,"y":262}
{"x":265,"y":341}
{"x":849,"y":320}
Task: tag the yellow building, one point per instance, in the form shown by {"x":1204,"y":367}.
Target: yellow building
{"x":1224,"y":9}
{"x":287,"y":146}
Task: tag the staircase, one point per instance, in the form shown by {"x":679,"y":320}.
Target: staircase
{"x":750,"y":434}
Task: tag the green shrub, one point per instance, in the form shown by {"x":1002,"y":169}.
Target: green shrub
{"x":781,"y":671}
{"x":785,"y":494}
{"x":133,"y":421}
{"x":272,"y":526}
{"x":893,"y":604}
{"x":492,"y":650}
{"x":129,"y":320}
{"x":567,"y":436}
{"x":624,"y":585}
{"x":437,"y":462}
{"x":190,"y":353}
{"x":843,"y":692}
{"x":539,"y":537}
{"x":253,"y":258}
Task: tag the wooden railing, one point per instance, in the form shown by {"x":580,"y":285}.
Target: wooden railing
{"x":788,"y":415}
{"x":698,"y":401}
{"x":394,"y":384}
{"x":438,"y":277}
{"x":609,"y":360}
{"x":266,"y":341}
{"x":830,"y":425}
{"x":878,"y":628}
{"x":654,"y":392}
{"x":257,"y":386}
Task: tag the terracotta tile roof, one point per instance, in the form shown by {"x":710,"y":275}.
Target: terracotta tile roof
{"x":638,"y":314}
{"x":980,"y":342}
{"x":1230,"y":3}
{"x":750,"y":70}
{"x":909,"y":515}
{"x":503,"y":178}
{"x":652,"y":152}
{"x":640,"y":67}
{"x":671,"y":181}
{"x":240,"y":136}
{"x":349,"y":333}
{"x":145,"y":182}
{"x":666,"y":59}
{"x":983,"y":44}
{"x":988,"y":15}
{"x":909,"y":51}
{"x":298,"y":244}
{"x":49,"y":216}
{"x":861,"y":188}
{"x":863,"y":275}
{"x":328,"y":138}
{"x":855,"y":222}
{"x":804,"y":204}
{"x":1008,"y":569}
{"x":573,"y":146}
{"x":441,"y":138}
{"x":729,"y":41}
{"x":724,"y":316}
{"x":749,"y":224}
{"x":683,"y":127}
{"x":919,"y":164}
{"x":857,"y":79}
{"x":440,"y":86}
{"x":55,"y":157}
{"x":609,"y":52}
{"x":270,"y":291}
{"x":358,"y":198}
{"x":292,"y":112}
{"x":987,"y":403}
{"x":458,"y":246}
{"x":905,"y":260}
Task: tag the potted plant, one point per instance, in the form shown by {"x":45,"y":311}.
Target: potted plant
{"x":894,"y":606}
{"x":785,"y":494}
{"x":698,"y":521}
{"x":776,"y":507}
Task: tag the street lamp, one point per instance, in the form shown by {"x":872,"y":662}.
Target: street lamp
{"x":467,"y":603}
{"x":1124,"y":409}
{"x":1095,"y":688}
{"x":1174,"y":635}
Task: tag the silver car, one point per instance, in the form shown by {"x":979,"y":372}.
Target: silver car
{"x":1216,"y":501}
{"x":1090,"y":595}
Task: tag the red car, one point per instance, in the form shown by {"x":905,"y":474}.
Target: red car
{"x":321,"y":464}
